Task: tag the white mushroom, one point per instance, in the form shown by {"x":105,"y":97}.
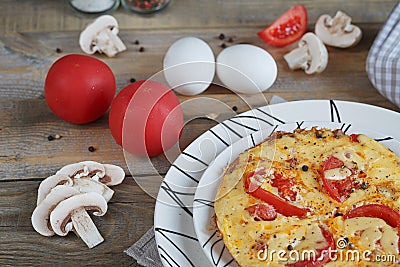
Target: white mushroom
{"x":86,"y":185}
{"x":49,"y":183}
{"x":337,"y":31}
{"x":84,"y":169}
{"x":311,"y":55}
{"x":101,"y":36}
{"x":114,"y":175}
{"x":41,"y":214}
{"x":74,"y":209}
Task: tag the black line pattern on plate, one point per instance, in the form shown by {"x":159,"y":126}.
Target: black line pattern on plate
{"x":233,"y":131}
{"x":205,"y":202}
{"x":299,"y":124}
{"x":252,"y":140}
{"x":185,"y":173}
{"x":209,"y":239}
{"x":253,"y":117}
{"x":169,"y":257}
{"x":334,"y":111}
{"x":346,"y":129}
{"x":243,"y":125}
{"x":174,"y":196}
{"x":216,"y":261}
{"x":220,"y":254}
{"x":219,"y":138}
{"x":229,"y":262}
{"x":163,"y":232}
{"x":384,"y":139}
{"x":273,"y":130}
{"x":269,"y":115}
{"x":193,"y":157}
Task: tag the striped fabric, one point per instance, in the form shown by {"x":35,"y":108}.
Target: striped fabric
{"x":383,"y":61}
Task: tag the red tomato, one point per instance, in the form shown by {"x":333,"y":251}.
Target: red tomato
{"x":323,"y":255}
{"x":262,"y":212}
{"x":79,"y":89}
{"x":389,"y":215}
{"x":285,"y":187}
{"x":146,"y":118}
{"x":288,"y":28}
{"x":338,"y":190}
{"x":280,"y":205}
{"x":354,"y":138}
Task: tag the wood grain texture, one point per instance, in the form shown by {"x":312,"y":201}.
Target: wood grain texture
{"x":27,"y":58}
{"x":47,"y":15}
{"x":129,"y":216}
{"x":30,"y":33}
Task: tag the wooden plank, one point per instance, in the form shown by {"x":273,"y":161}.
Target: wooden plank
{"x":129,"y":216}
{"x":26,"y":124}
{"x":27,"y":58}
{"x":56,"y":16}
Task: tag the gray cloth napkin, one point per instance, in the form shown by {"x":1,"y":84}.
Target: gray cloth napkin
{"x":383,"y":61}
{"x":144,"y":251}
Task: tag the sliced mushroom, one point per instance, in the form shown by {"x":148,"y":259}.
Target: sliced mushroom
{"x":311,"y":55}
{"x":85,"y":185}
{"x":114,"y":175}
{"x":41,"y":214}
{"x":337,"y":31}
{"x":51,"y":182}
{"x":101,"y":36}
{"x":74,"y":209}
{"x":88,"y":169}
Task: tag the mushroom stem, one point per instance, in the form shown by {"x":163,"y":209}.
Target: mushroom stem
{"x":109,"y":43}
{"x":311,"y":55}
{"x":298,"y":58}
{"x":85,"y":228}
{"x":339,"y":23}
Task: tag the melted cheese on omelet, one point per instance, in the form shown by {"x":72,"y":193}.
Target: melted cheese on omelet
{"x":377,"y":166}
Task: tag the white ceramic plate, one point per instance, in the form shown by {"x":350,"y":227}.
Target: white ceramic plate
{"x":176,"y":239}
{"x":203,"y":210}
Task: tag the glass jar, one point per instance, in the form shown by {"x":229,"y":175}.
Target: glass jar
{"x":145,"y":6}
{"x":95,"y":7}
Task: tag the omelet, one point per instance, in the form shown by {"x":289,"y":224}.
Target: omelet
{"x":313,"y":197}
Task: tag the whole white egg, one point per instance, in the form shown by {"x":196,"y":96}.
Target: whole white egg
{"x":246,"y":69}
{"x":189,"y":66}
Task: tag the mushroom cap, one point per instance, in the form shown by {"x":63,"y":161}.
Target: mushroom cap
{"x":61,"y":214}
{"x":83,"y":169}
{"x":85,"y":185}
{"x":317,"y":51}
{"x":88,"y":35}
{"x":41,"y":214}
{"x":114,"y":175}
{"x":49,"y":183}
{"x":337,"y":31}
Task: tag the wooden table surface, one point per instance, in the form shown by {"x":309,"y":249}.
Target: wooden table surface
{"x":33,"y":34}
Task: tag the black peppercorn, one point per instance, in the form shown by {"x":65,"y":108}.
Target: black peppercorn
{"x":304,"y":168}
{"x":235,"y":108}
{"x":141,"y":49}
{"x":132,"y":80}
{"x":136,"y":42}
{"x":91,"y":149}
{"x":364,"y":185}
{"x":58,"y":50}
{"x":221,"y":36}
{"x":50,"y":138}
{"x":337,"y":214}
{"x":223,"y":45}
